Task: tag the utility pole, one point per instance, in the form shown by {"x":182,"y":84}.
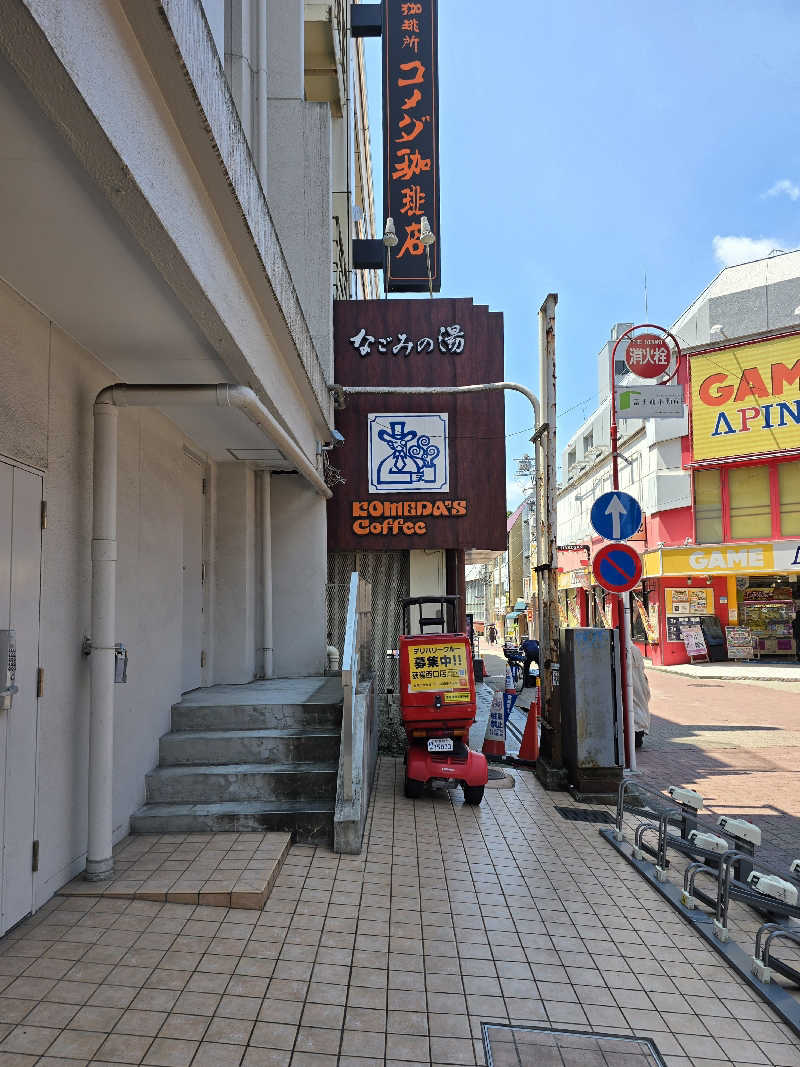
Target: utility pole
{"x":550,"y":768}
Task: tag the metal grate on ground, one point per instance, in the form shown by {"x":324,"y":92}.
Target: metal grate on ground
{"x":531,"y":1046}
{"x":584,"y":814}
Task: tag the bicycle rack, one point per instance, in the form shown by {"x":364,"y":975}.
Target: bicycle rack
{"x":763,"y":963}
{"x":664,"y":828}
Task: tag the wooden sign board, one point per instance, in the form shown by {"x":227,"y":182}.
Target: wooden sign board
{"x":421,"y":471}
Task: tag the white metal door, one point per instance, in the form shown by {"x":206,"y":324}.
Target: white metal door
{"x":20,"y":580}
{"x":193,"y":555}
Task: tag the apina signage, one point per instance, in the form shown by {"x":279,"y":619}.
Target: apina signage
{"x":746,"y":399}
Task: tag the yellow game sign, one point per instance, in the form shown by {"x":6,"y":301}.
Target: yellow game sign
{"x":746,"y":399}
{"x":440,"y":668}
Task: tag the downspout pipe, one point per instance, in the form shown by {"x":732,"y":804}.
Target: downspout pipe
{"x":265,"y":479}
{"x":99,"y":859}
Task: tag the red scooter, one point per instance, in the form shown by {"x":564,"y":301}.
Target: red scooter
{"x":437,"y":699}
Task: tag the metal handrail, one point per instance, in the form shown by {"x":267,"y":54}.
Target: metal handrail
{"x":353,"y":661}
{"x":349,"y":684}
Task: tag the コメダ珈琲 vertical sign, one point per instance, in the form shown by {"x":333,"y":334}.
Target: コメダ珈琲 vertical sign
{"x":411,"y":140}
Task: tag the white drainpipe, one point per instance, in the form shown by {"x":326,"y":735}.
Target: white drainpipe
{"x":266,"y":573}
{"x":99,"y":860}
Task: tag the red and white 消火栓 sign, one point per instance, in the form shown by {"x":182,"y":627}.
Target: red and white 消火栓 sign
{"x":648,"y":355}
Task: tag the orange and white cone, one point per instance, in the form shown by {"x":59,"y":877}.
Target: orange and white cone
{"x":494,"y":741}
{"x":529,"y":749}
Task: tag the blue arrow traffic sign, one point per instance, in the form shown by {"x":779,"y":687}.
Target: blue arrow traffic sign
{"x":616,"y":516}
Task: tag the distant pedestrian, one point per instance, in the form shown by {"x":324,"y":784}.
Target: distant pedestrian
{"x":530,"y":646}
{"x":493,"y":635}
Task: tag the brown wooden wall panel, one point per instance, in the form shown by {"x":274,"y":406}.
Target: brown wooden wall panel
{"x":476,"y":422}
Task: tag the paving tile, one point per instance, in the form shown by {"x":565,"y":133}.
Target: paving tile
{"x":76,"y":1044}
{"x":170,"y":1052}
{"x":123,"y":1048}
{"x":29,"y":1039}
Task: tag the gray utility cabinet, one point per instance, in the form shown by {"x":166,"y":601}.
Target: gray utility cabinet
{"x":591,"y":709}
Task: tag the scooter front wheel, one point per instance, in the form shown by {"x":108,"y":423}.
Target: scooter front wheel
{"x":473,"y":794}
{"x":413,"y":788}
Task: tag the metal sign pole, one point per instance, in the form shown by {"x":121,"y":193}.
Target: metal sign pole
{"x":624,"y":598}
{"x":623,"y":613}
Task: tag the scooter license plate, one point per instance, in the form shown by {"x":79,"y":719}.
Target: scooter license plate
{"x":440,"y":744}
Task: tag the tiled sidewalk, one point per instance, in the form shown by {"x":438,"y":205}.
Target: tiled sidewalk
{"x":230,"y":870}
{"x":452,"y":916}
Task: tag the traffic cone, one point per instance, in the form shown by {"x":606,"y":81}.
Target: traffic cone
{"x":494,"y":741}
{"x":509,"y":695}
{"x":529,"y":749}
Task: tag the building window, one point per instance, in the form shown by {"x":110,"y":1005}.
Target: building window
{"x":789,"y":495}
{"x":747,"y":503}
{"x":750,"y":508}
{"x":588,"y":441}
{"x":708,"y":507}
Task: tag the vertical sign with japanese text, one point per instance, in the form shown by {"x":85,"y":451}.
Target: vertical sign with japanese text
{"x":411,"y":140}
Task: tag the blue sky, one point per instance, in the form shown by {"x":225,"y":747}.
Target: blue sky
{"x":584,"y":144}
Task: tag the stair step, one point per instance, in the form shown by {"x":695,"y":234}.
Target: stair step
{"x":309,"y":822}
{"x":256,"y":717}
{"x":213,"y":747}
{"x":241,"y":781}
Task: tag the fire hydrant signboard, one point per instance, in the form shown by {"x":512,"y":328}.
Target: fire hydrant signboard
{"x":648,"y":355}
{"x":438,"y":668}
{"x":421,"y":471}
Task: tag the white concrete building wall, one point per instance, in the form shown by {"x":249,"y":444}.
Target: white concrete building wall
{"x":145,"y":250}
{"x":54,"y":381}
{"x":299,"y":575}
{"x":653,"y":474}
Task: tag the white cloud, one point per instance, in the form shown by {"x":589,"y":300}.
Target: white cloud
{"x":784,"y":187}
{"x":728,"y":251}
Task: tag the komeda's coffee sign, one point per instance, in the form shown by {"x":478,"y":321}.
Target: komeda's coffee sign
{"x":411,"y":141}
{"x":420,"y":471}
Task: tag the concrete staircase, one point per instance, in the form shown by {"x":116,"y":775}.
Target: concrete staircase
{"x":262,"y":756}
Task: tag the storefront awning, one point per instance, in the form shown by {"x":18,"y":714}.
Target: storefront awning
{"x":513,"y":614}
{"x":768,"y":557}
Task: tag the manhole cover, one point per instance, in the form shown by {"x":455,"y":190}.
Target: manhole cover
{"x":584,"y":814}
{"x":529,"y":1046}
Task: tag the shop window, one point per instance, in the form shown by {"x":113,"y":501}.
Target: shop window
{"x":789,"y":491}
{"x":751,"y":512}
{"x":708,"y":507}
